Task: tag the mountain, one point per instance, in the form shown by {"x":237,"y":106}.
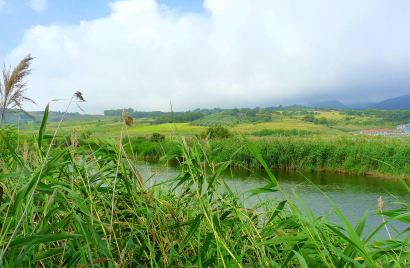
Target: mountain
{"x":15,"y":116}
{"x":330,"y":104}
{"x":398,"y":103}
{"x":361,"y":105}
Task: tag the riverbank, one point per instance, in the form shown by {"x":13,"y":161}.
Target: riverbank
{"x":369,"y":156}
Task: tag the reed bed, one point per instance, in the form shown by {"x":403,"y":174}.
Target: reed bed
{"x":73,"y":203}
{"x":380,"y":156}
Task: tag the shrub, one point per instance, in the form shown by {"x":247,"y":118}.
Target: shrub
{"x":157,"y":137}
{"x":218,"y":132}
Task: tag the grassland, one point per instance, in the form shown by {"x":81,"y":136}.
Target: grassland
{"x":287,"y":124}
{"x":111,"y":127}
{"x":324,"y":122}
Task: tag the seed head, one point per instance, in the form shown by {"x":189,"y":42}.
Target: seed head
{"x":127,"y":119}
{"x":79,"y":96}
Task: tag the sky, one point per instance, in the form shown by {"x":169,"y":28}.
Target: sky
{"x":146,"y":54}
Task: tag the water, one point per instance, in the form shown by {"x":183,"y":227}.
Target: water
{"x":353,"y":195}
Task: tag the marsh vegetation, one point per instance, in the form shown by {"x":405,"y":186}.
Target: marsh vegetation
{"x":67,"y":201}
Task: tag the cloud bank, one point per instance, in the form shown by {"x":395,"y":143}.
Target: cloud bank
{"x":236,"y":53}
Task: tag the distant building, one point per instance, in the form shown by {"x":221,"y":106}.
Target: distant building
{"x":400,"y":131}
{"x":376,"y":132}
{"x":404,"y":128}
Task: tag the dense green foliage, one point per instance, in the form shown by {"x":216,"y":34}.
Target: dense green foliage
{"x":8,"y":138}
{"x":84,"y":205}
{"x":315,"y":120}
{"x":157,"y":137}
{"x":217,"y":132}
{"x":396,"y":116}
{"x":72,"y":202}
{"x":348,"y":154}
{"x":159,"y":117}
{"x":356,"y":154}
{"x":283,"y":132}
{"x":150,"y":149}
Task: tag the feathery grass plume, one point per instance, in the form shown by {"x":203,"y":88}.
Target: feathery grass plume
{"x":79,"y":97}
{"x":127,"y":119}
{"x":13,"y":87}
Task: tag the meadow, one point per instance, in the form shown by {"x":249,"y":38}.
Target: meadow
{"x":67,"y":201}
{"x":323,"y":121}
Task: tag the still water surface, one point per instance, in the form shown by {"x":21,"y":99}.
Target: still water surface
{"x":353,"y":195}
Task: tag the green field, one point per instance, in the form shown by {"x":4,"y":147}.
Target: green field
{"x":337,"y":123}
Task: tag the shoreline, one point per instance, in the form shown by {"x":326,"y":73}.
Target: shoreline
{"x":328,"y":171}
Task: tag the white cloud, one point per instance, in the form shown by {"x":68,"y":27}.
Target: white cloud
{"x":239,"y":52}
{"x":38,"y":6}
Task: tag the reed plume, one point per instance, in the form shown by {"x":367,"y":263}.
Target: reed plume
{"x":79,"y":96}
{"x":13,"y":87}
{"x":127,"y":119}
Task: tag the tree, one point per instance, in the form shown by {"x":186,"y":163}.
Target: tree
{"x":218,"y":132}
{"x":13,"y":87}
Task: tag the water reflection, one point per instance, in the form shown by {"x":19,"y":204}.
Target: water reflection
{"x":353,"y":195}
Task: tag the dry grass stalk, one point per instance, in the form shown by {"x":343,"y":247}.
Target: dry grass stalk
{"x":74,"y":139}
{"x":380,"y":204}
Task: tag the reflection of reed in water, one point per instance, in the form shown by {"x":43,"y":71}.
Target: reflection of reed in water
{"x":381,"y":206}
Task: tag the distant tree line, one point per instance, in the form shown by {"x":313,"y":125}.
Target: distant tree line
{"x":15,"y":116}
{"x":229,"y":117}
{"x":395,"y":116}
{"x":159,"y":117}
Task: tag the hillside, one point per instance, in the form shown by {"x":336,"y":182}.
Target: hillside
{"x":329,"y":104}
{"x":398,"y":103}
{"x":14,"y":116}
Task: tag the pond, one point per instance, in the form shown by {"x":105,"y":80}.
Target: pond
{"x":353,"y":195}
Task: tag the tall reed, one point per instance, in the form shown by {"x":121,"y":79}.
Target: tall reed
{"x":90,"y":207}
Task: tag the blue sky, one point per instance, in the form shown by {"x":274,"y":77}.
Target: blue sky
{"x":19,"y":15}
{"x":209,"y":53}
